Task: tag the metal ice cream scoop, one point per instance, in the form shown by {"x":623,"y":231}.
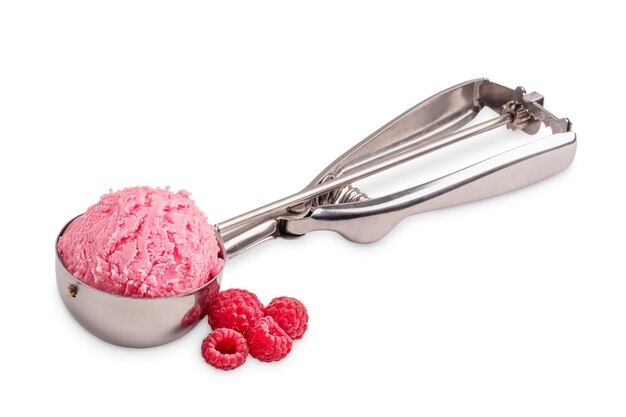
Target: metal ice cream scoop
{"x":331,"y":202}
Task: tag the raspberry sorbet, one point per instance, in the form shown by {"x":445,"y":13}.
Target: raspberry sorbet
{"x":142,"y":242}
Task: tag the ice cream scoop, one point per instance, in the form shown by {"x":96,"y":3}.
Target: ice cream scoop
{"x":331,"y":202}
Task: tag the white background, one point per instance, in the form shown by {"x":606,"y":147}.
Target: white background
{"x":513,"y":306}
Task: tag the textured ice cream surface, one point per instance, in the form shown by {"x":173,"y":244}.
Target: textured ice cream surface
{"x":142,"y":242}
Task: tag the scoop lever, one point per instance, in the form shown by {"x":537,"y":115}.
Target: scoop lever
{"x":330,"y":202}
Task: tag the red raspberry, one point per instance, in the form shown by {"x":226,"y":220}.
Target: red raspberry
{"x":225,"y":349}
{"x":290,"y":314}
{"x":267,"y":341}
{"x":235,"y":309}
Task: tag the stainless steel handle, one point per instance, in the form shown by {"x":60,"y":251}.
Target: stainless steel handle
{"x":330,"y":202}
{"x":369,"y":220}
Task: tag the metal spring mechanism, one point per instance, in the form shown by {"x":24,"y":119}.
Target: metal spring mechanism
{"x":521,"y":115}
{"x":345,"y":194}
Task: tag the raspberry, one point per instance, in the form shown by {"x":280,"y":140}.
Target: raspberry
{"x":290,"y":314}
{"x":235,"y":309}
{"x":267,"y":341}
{"x":225,"y":349}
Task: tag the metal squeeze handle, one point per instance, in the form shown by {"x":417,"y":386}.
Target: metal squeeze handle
{"x":331,"y":203}
{"x":369,"y":220}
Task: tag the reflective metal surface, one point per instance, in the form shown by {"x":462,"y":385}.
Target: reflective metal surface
{"x":331,"y":202}
{"x":368,"y":221}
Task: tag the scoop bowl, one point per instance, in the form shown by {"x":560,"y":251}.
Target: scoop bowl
{"x":131,"y":321}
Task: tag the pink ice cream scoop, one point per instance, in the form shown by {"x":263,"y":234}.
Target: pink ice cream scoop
{"x":142,"y":242}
